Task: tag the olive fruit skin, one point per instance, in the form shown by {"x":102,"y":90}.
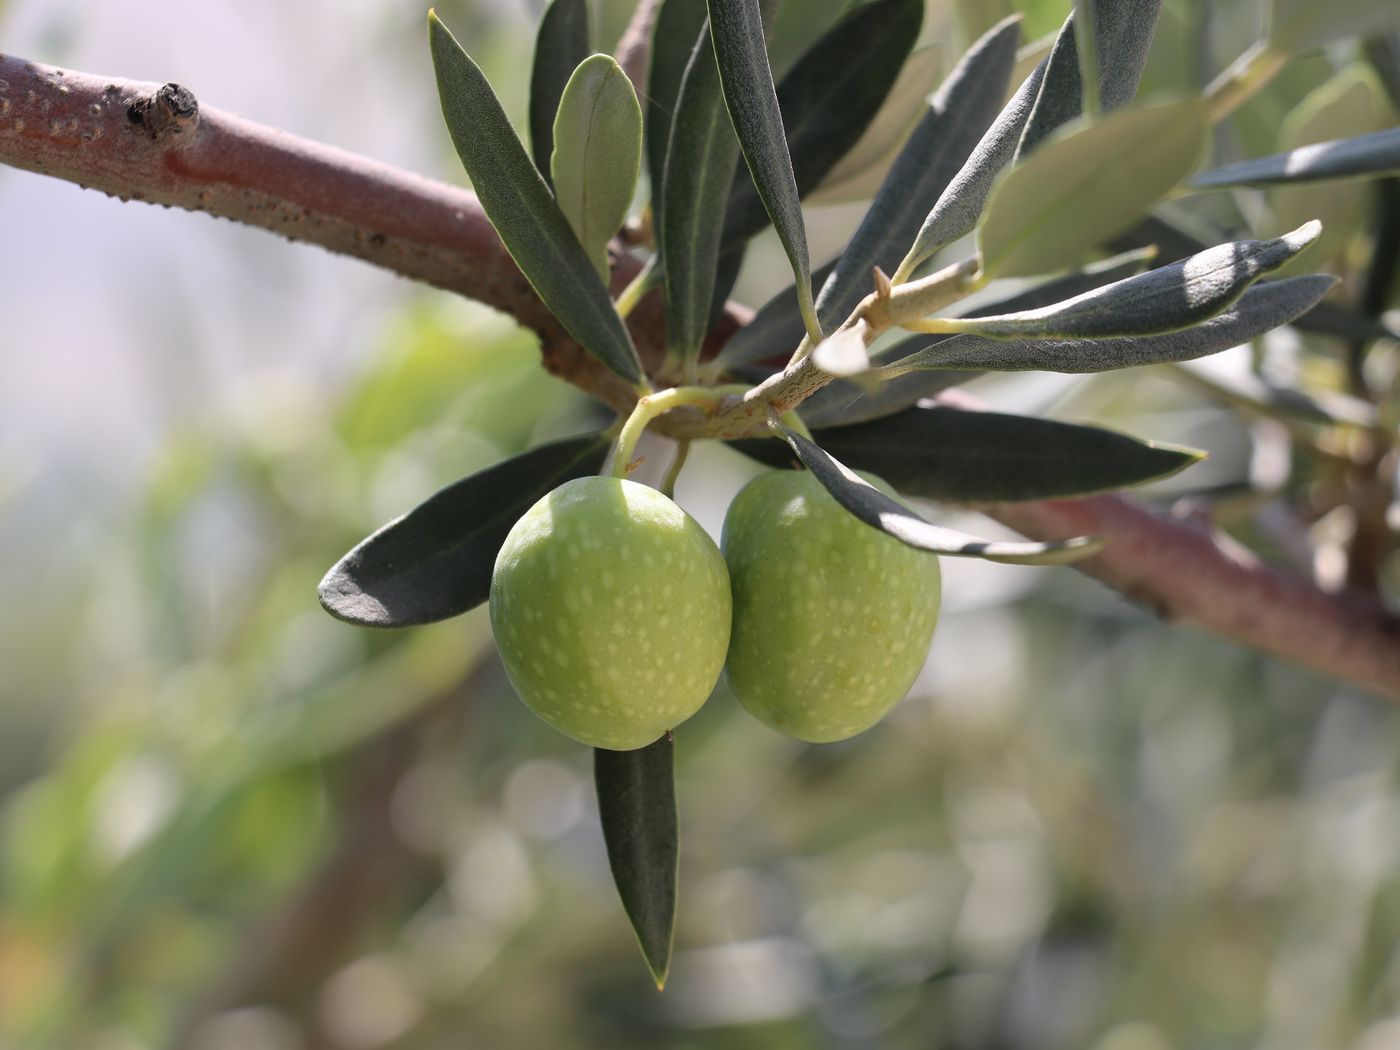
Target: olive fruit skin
{"x":832,"y":618}
{"x":610,"y":607}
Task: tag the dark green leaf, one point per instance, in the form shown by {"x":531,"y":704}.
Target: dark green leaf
{"x":960,"y":111}
{"x":878,"y":511}
{"x":1365,"y":155}
{"x":597,"y":154}
{"x":1259,"y":310}
{"x":1077,"y":191}
{"x":436,"y":561}
{"x":968,"y":457}
{"x":843,"y":403}
{"x":679,"y":24}
{"x":1166,"y":299}
{"x":637,"y":807}
{"x":699,"y":168}
{"x":1123,"y":32}
{"x":523,"y":209}
{"x":829,"y":98}
{"x":560,"y":45}
{"x":858,"y":174}
{"x":1297,"y":25}
{"x":736,"y":26}
{"x":960,"y":204}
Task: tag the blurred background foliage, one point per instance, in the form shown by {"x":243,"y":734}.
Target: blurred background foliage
{"x":229,"y":821}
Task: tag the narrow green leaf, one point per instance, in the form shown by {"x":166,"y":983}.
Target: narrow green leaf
{"x":960,"y":205}
{"x":597,"y":154}
{"x":1261,"y":309}
{"x":968,"y":457}
{"x":829,"y":98}
{"x":1082,"y":188}
{"x":699,"y":170}
{"x":1299,"y":25}
{"x":560,"y":45}
{"x":436,"y":561}
{"x":678,"y":25}
{"x":736,"y":27}
{"x":1166,"y":299}
{"x":523,"y":209}
{"x":845,"y":403}
{"x":1123,"y":35}
{"x":960,"y":111}
{"x":1371,"y":156}
{"x":878,"y":511}
{"x":858,"y":174}
{"x":637,"y":807}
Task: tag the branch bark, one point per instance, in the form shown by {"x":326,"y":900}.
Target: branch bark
{"x":141,"y":141}
{"x":1184,"y":571}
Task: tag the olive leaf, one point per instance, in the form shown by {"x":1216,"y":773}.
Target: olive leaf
{"x":1166,"y":299}
{"x":736,"y":27}
{"x":1370,"y":155}
{"x":878,"y":511}
{"x":700,"y":163}
{"x":960,"y":205}
{"x":959,"y":456}
{"x":436,"y":561}
{"x":523,"y":210}
{"x":828,"y":99}
{"x":1261,"y":309}
{"x":678,"y":25}
{"x":858,"y":174}
{"x":1122,"y":31}
{"x":597,"y":154}
{"x":1298,"y":25}
{"x":1083,"y":187}
{"x":843,"y":403}
{"x":959,"y":112}
{"x":560,"y":45}
{"x":637,"y":808}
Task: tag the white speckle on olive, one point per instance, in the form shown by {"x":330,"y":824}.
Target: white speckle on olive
{"x":827,"y":636}
{"x":574,"y":572}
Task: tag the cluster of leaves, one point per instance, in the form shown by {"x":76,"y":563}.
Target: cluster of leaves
{"x":1050,"y":176}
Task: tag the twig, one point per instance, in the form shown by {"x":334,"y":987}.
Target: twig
{"x":635,"y":43}
{"x":142,"y":142}
{"x":1183,"y":571}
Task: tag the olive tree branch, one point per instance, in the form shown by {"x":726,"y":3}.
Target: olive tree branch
{"x":140,"y":141}
{"x":1184,"y":570}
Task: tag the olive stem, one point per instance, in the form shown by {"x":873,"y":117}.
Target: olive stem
{"x":647,"y":278}
{"x":668,"y":483}
{"x":652,"y":405}
{"x":1244,"y":78}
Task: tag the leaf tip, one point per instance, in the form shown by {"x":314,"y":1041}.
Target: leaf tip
{"x":1304,"y":235}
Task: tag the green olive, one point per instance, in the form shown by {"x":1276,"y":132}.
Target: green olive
{"x":832,"y":618}
{"x":610,"y":607}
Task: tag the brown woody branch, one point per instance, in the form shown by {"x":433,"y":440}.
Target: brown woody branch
{"x":145,"y":142}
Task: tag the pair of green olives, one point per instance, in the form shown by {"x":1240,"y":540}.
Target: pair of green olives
{"x":615,"y":612}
